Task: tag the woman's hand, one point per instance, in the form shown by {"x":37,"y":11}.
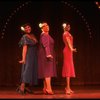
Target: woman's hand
{"x":22,"y":61}
{"x":49,"y":56}
{"x":74,"y":50}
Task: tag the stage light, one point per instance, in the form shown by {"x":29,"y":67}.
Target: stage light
{"x":98,"y":4}
{"x":3,"y":33}
{"x":12,"y":14}
{"x":80,"y":14}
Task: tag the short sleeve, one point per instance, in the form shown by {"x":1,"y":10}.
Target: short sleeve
{"x":67,"y":35}
{"x":25,"y":41}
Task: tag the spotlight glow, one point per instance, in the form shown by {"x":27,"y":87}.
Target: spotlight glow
{"x":98,"y":4}
{"x":80,"y":14}
{"x":11,"y":15}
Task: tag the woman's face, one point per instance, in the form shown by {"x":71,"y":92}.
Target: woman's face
{"x":67,"y":28}
{"x":45,"y":27}
{"x":27,"y":29}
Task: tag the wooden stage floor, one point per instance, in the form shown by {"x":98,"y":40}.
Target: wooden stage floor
{"x":80,"y":92}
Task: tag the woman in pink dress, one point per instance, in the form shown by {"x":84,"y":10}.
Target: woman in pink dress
{"x":68,"y":66}
{"x":46,"y":59}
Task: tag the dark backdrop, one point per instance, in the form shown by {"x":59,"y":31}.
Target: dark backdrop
{"x":84,"y":18}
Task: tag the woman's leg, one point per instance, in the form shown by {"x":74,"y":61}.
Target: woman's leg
{"x":68,"y":83}
{"x":48,"y":85}
{"x":68,"y":89}
{"x":22,"y":86}
{"x":21,"y":89}
{"x":44,"y":86}
{"x":28,"y":88}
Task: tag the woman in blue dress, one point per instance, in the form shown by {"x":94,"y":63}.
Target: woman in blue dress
{"x":29,"y":59}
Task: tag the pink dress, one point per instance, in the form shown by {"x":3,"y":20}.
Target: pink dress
{"x":68,"y":66}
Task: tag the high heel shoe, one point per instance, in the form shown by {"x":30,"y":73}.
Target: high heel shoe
{"x":48,"y":92}
{"x":67,"y":91}
{"x":17,"y":88}
{"x":44,"y":90}
{"x":71,"y":91}
{"x":28,"y":90}
{"x":22,"y":92}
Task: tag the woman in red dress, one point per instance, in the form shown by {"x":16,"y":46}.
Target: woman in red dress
{"x":68,"y":66}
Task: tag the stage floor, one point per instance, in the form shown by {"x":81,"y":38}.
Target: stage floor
{"x":80,"y":92}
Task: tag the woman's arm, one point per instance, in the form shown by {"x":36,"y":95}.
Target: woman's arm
{"x":24,"y":51}
{"x":45,"y":42}
{"x":69,"y":44}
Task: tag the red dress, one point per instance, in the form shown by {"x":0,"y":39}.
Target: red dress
{"x":68,"y":66}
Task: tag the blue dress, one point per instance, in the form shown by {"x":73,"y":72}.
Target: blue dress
{"x":29,"y":69}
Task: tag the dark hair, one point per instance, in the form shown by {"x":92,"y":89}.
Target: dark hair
{"x":67,"y":23}
{"x":27,"y":24}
